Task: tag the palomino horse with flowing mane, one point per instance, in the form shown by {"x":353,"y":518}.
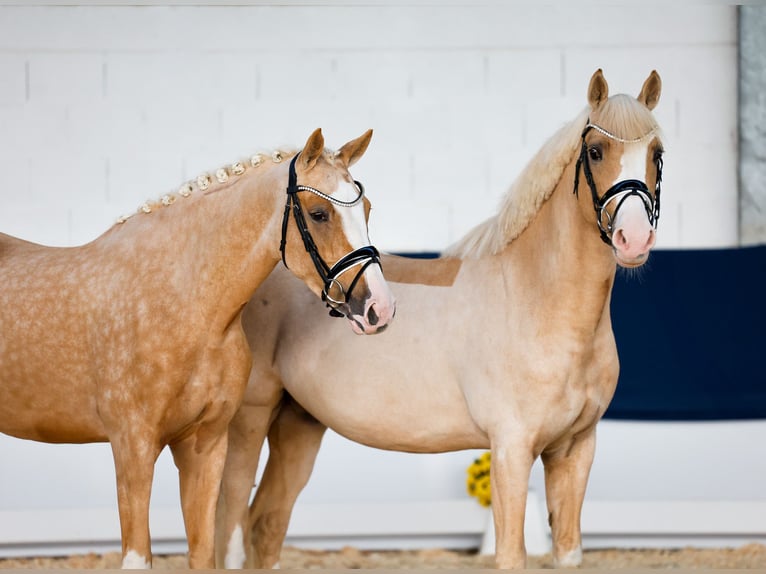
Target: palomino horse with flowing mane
{"x":136,"y":338}
{"x":504,"y":343}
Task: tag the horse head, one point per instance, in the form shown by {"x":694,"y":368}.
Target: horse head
{"x":621,"y":161}
{"x":326,"y":213}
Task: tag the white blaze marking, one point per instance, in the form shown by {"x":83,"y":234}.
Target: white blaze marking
{"x":352,"y":218}
{"x":633,"y":161}
{"x":633,"y":212}
{"x":235,"y":551}
{"x":355,"y":229}
{"x":134,"y":561}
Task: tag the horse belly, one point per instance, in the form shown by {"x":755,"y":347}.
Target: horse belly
{"x":399,"y":413}
{"x":408,"y":435}
{"x":56,"y":415}
{"x":398,"y":390}
{"x":45,"y":398}
{"x":46,"y":388}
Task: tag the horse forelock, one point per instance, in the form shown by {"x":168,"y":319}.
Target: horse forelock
{"x":526,"y":195}
{"x":626,"y":118}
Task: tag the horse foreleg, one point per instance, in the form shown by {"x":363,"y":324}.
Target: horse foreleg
{"x":566,"y":477}
{"x":134,"y":460}
{"x":509,"y":478}
{"x":294,"y":441}
{"x":200,"y":459}
{"x":247,"y":432}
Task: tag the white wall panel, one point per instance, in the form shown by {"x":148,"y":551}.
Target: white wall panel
{"x":199,"y":86}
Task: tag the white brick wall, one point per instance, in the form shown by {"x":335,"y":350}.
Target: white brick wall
{"x":102,"y":107}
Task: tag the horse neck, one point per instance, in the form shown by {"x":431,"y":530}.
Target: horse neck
{"x":218,"y":245}
{"x":246,"y":248}
{"x":568,"y":270}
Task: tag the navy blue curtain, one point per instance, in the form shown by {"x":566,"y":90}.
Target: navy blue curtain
{"x":690,"y":331}
{"x":690,"y":328}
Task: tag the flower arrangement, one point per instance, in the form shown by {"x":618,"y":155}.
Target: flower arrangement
{"x":477,"y":482}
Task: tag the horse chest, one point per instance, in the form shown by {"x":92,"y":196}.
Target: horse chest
{"x":551,"y":386}
{"x":580,"y":397}
{"x":206,"y":386}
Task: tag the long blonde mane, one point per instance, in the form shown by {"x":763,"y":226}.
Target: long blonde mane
{"x":526,"y":195}
{"x":622,"y":115}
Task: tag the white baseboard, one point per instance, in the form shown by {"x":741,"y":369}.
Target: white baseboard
{"x":60,"y":532}
{"x":675,"y":524}
{"x":376,"y":525}
{"x":443,"y":524}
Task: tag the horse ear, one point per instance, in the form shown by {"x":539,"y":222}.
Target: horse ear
{"x":598,"y":90}
{"x":354,"y":149}
{"x":650,"y":92}
{"x":312,"y":150}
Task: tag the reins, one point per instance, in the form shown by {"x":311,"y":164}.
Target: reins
{"x":363,"y":256}
{"x":620,"y":191}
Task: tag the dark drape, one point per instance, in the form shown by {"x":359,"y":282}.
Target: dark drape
{"x":690,"y":334}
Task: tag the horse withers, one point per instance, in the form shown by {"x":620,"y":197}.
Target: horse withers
{"x":505,"y":343}
{"x":136,"y":338}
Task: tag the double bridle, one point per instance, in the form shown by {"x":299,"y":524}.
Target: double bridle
{"x":620,"y":191}
{"x":362,"y":256}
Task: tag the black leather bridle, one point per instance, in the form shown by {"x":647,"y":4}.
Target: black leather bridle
{"x":620,"y":191}
{"x":362,"y":256}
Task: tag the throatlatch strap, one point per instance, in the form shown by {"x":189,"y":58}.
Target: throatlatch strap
{"x":283,"y":241}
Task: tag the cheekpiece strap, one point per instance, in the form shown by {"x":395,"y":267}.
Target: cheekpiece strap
{"x":363,"y":256}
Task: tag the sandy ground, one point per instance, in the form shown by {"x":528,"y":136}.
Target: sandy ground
{"x":749,"y":556}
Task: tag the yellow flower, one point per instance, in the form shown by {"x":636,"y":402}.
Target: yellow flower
{"x":478,"y":481}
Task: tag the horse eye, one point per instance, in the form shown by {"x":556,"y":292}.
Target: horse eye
{"x":319,"y":215}
{"x":594,"y":153}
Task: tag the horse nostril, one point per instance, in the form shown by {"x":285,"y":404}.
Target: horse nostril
{"x":372,"y":316}
{"x":620,"y":239}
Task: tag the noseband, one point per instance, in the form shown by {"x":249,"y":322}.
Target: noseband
{"x":362,"y":257}
{"x":620,"y":191}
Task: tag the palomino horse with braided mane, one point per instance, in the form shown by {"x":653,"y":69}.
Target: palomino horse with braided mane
{"x":136,"y":338}
{"x":504,"y":343}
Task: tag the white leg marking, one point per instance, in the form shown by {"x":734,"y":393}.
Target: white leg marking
{"x":235,"y":551}
{"x":276,"y":566}
{"x":571,"y":559}
{"x":134,"y":561}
